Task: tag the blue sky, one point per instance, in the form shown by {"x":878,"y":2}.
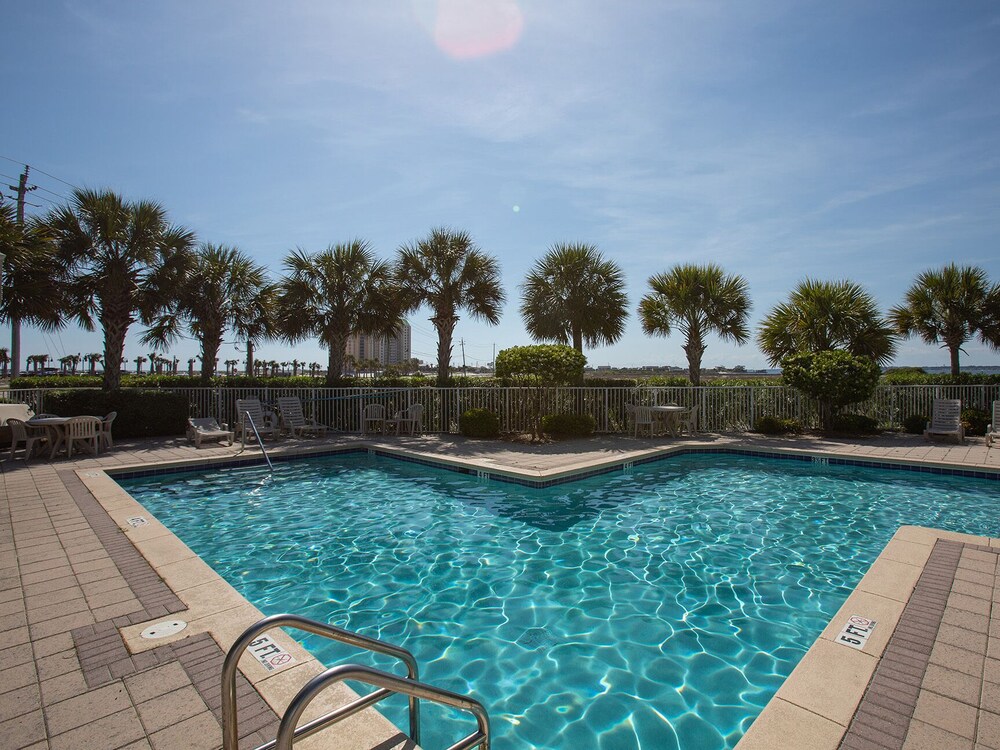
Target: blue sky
{"x":779,"y":139}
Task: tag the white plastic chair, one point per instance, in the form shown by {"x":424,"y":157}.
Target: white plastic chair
{"x":411,"y":420}
{"x":207,"y":428}
{"x":264,"y":424}
{"x":373,"y":414}
{"x":946,"y":419}
{"x":24,"y":433}
{"x":83,"y":431}
{"x":290,"y":408}
{"x":993,"y":431}
{"x":642,"y":416}
{"x":689,"y":421}
{"x":106,"y":439}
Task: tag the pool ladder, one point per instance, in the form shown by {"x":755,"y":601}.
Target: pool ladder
{"x":243,"y":439}
{"x":387,"y":684}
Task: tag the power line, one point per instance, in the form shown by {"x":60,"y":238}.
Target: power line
{"x":57,"y":179}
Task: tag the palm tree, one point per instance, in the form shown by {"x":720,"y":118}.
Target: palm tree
{"x":824,"y":316}
{"x":93,"y":359}
{"x":699,"y":300}
{"x":219,"y":283}
{"x":32,"y":279}
{"x":124,"y":260}
{"x":575,"y":296}
{"x":448,"y":272}
{"x":335,"y":294}
{"x":139,"y":361}
{"x":950,"y":307}
{"x":4,"y":361}
{"x":231,"y":366}
{"x":256,"y":321}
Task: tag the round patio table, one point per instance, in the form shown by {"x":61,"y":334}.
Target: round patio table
{"x":670,"y":415}
{"x":56,"y":427}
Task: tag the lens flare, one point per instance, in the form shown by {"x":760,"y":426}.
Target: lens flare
{"x":466,"y":29}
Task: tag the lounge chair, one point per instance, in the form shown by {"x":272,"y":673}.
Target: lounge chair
{"x":105,"y":431}
{"x":207,"y":428}
{"x":642,"y":416}
{"x":290,"y":409}
{"x":373,"y":414}
{"x":946,"y":419}
{"x":993,"y":431}
{"x":25,"y":433}
{"x":410,"y":420}
{"x":263,"y":422}
{"x":85,"y":432}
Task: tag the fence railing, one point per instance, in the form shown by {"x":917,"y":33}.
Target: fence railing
{"x":721,"y":408}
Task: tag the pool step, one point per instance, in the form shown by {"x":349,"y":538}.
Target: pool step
{"x":387,"y":684}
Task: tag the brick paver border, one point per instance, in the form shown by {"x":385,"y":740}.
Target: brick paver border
{"x":882,"y":719}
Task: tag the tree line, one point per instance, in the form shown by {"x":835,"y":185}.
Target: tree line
{"x":107,"y":262}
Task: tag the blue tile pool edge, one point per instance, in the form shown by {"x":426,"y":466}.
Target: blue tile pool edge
{"x":564,"y":478}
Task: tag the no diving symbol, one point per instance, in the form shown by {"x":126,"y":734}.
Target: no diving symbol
{"x":279,"y":660}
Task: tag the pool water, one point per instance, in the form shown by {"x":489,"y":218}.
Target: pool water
{"x":657,"y":608}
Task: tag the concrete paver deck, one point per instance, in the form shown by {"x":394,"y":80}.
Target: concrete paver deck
{"x":75,"y":589}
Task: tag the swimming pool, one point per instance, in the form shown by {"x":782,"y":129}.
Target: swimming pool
{"x":658,"y":608}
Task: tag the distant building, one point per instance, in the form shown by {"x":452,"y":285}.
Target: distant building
{"x":388,"y":351}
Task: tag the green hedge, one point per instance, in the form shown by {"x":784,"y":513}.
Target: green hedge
{"x":768,"y":425}
{"x":140,"y":413}
{"x":915,"y":376}
{"x":568,"y":425}
{"x":915,"y":424}
{"x":479,"y":423}
{"x":854,"y":424}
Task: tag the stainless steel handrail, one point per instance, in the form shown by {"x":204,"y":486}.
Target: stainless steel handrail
{"x":287,"y":732}
{"x":230,"y":729}
{"x":243,"y":439}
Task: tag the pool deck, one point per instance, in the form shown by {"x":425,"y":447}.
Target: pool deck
{"x":78,"y":582}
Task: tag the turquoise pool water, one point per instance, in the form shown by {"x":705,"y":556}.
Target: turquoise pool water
{"x":655,"y":609}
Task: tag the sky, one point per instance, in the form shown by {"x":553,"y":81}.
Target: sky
{"x":780,"y":139}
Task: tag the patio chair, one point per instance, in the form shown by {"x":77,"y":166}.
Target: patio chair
{"x":263,"y":422}
{"x":85,"y":432}
{"x":25,"y":433}
{"x":946,"y":419}
{"x":410,"y":420}
{"x":106,"y":439}
{"x":642,"y":416}
{"x":373,"y":414}
{"x":290,"y":409}
{"x":207,"y":428}
{"x":993,"y":431}
{"x":689,"y":421}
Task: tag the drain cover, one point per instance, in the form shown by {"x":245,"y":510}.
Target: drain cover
{"x":164,"y":629}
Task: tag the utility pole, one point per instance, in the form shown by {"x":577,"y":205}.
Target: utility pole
{"x":463,"y":356}
{"x":15,"y":323}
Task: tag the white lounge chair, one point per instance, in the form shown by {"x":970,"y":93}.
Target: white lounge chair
{"x":85,"y":432}
{"x":207,"y":428}
{"x":410,"y":420}
{"x":993,"y":431}
{"x":946,"y":419}
{"x":263,"y":422}
{"x":290,"y":409}
{"x":374,"y":415}
{"x":25,"y":433}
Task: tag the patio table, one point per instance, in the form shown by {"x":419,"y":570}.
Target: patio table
{"x":56,"y":427}
{"x":670,"y":415}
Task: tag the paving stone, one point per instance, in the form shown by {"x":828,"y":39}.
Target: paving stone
{"x":111,"y":731}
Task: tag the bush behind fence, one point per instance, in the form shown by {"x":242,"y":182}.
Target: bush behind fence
{"x":721,"y":409}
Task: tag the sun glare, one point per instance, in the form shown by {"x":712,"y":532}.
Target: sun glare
{"x":466,"y":29}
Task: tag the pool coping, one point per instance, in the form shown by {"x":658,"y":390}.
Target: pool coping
{"x":221,"y":611}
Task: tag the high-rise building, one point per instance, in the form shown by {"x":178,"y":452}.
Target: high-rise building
{"x":394,"y":350}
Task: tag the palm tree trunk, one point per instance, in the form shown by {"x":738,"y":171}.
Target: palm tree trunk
{"x":209,"y":351}
{"x":954,"y":350}
{"x":335,"y":368}
{"x":578,"y":339}
{"x":694,"y":350}
{"x":445,"y":329}
{"x":114,"y":348}
{"x":15,"y":347}
{"x":249,"y":357}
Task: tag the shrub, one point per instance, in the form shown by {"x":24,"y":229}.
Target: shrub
{"x":915,"y":424}
{"x":776,"y":426}
{"x":855,"y":424}
{"x":479,"y":423}
{"x":975,"y":420}
{"x":834,"y":378}
{"x":568,"y":425}
{"x":140,"y":413}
